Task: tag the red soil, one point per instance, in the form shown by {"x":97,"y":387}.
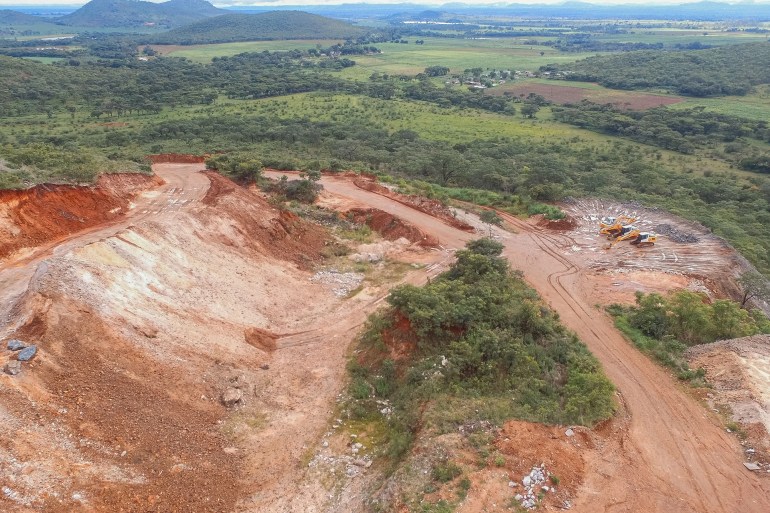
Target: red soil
{"x":282,"y":234}
{"x":431,"y":207}
{"x":31,"y":217}
{"x":562,"y":94}
{"x":391,"y":227}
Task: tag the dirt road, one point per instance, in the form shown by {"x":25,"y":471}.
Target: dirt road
{"x":673,"y":455}
{"x":183,"y":185}
{"x":666,"y":453}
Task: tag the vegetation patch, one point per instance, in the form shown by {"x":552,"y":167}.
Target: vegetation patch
{"x":474,"y":345}
{"x":664,"y":326}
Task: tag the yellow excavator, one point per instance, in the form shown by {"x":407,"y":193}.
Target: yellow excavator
{"x":612,"y":226}
{"x":637,"y":237}
{"x":645,"y":239}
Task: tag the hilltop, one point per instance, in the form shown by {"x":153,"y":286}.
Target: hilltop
{"x":136,"y":13}
{"x":264,"y":26}
{"x":9,"y":17}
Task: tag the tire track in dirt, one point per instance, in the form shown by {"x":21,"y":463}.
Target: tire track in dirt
{"x":672,"y":456}
{"x":554,"y":280}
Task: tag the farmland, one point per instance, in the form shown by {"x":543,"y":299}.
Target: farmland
{"x":572,"y":92}
{"x":204,"y":53}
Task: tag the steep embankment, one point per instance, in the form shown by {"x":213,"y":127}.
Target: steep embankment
{"x":139,"y":334}
{"x":32,"y":217}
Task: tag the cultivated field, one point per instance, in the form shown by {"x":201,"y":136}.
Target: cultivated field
{"x":204,"y":53}
{"x":573,"y":92}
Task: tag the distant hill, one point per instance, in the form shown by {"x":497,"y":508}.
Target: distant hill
{"x":8,"y":17}
{"x":263,"y":26}
{"x":137,"y":13}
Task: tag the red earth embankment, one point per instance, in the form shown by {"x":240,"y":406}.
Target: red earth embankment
{"x":429,"y":206}
{"x":176,"y":158}
{"x":31,"y":217}
{"x":390,"y":226}
{"x":282,"y":235}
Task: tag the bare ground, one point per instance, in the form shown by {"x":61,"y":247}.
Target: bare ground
{"x":142,"y":325}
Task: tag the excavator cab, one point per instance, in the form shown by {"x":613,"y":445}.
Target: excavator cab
{"x":645,"y":239}
{"x":627,"y":232}
{"x":612,"y":226}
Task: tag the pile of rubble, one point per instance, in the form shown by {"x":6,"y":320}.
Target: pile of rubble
{"x":23,"y":353}
{"x":342,"y":283}
{"x":534,"y":487}
{"x":675,"y":234}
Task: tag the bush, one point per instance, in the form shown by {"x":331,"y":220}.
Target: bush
{"x":445,"y":471}
{"x":484,"y":349}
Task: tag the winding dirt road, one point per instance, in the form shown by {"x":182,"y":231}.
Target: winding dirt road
{"x":669,"y":454}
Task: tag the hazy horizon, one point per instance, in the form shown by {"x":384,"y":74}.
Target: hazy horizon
{"x":285,"y":3}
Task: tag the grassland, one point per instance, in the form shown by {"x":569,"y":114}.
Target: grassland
{"x":673,"y":36}
{"x":204,"y":53}
{"x":752,"y":106}
{"x":397,"y":58}
{"x":458,"y":55}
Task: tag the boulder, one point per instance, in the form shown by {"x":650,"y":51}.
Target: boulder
{"x":12,"y":367}
{"x":16,"y":345}
{"x":232,"y":396}
{"x":27,"y":353}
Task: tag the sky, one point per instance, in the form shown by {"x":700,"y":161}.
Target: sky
{"x":227,"y":3}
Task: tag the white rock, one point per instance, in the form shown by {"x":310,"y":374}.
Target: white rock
{"x":526,"y":481}
{"x":569,"y":432}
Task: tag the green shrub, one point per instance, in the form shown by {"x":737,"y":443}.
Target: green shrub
{"x":445,"y":471}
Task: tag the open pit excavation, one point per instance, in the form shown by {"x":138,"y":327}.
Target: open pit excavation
{"x":188,"y":361}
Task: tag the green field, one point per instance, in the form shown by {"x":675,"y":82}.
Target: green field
{"x":204,"y":53}
{"x":683,"y":36}
{"x":396,"y":58}
{"x":458,"y":55}
{"x":752,"y":106}
{"x":45,"y":60}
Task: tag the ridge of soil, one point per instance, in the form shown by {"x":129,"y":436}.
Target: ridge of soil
{"x":426,"y":205}
{"x":44,"y":213}
{"x":390,"y":227}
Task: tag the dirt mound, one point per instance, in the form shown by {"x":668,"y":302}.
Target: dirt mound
{"x":140,"y":332}
{"x":32,"y":217}
{"x":429,"y":206}
{"x":676,"y":234}
{"x":281,"y":233}
{"x":566,"y":224}
{"x":176,"y":158}
{"x":390,"y":227}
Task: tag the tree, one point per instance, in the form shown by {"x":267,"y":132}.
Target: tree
{"x":755,"y":286}
{"x":528,"y":110}
{"x":490,"y":217}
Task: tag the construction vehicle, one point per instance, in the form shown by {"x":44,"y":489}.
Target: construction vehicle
{"x":638,"y":238}
{"x":612,"y":226}
{"x":645,"y":239}
{"x":627,"y":232}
